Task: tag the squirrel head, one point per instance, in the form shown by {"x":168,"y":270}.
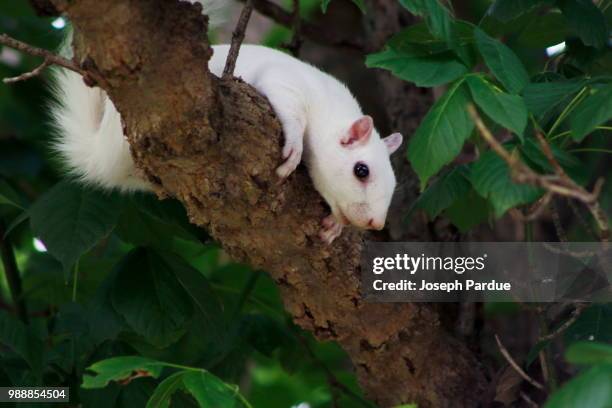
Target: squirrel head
{"x":355,"y":175}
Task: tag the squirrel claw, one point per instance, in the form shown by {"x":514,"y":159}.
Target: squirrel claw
{"x":292,"y":153}
{"x":331,"y":229}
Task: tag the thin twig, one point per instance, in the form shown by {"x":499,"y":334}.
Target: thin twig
{"x":296,"y":39}
{"x":539,"y":207}
{"x":528,"y":400}
{"x":559,"y":183}
{"x":580,"y":307}
{"x":237,"y":39}
{"x":548,"y":369}
{"x":317,"y":33}
{"x":535,"y":211}
{"x":544,"y":365}
{"x":550,"y":156}
{"x":516,"y":367}
{"x":581,"y":220}
{"x":49,"y":59}
{"x":11,"y":272}
{"x":554,"y":213}
{"x":27,"y":75}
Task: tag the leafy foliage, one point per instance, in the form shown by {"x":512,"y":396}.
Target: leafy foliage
{"x":491,"y":179}
{"x":595,"y":110}
{"x":71,"y":220}
{"x":592,"y":387}
{"x":564,"y":99}
{"x":207,"y":389}
{"x":507,"y":110}
{"x":502,"y":62}
{"x":442,"y":133}
{"x":132,"y":306}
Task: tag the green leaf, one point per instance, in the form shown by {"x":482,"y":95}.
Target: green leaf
{"x":210,"y":391}
{"x":121,"y":369}
{"x":207,"y":307}
{"x":532,"y":151}
{"x":16,"y":222}
{"x":139,"y":228}
{"x":588,"y":352}
{"x":506,"y":10}
{"x":502,"y":62}
{"x":163,"y":393}
{"x":595,"y":110}
{"x":70,"y":220}
{"x":106,"y":322}
{"x":468,"y":211}
{"x":411,"y":65}
{"x":9,"y":196}
{"x":437,"y":16}
{"x":507,"y":110}
{"x":264,"y":333}
{"x":442,"y":133}
{"x":415,"y":55}
{"x":491,"y":179}
{"x":586,"y":20}
{"x":543,"y":97}
{"x":325,"y":5}
{"x":148,"y":296}
{"x":419,"y":39}
{"x":592,"y":325}
{"x":360,"y":4}
{"x":544,"y":31}
{"x":22,"y":341}
{"x":534,"y":352}
{"x":592,"y":389}
{"x":442,"y":193}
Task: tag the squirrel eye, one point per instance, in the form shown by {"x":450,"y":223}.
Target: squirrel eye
{"x":361,"y":170}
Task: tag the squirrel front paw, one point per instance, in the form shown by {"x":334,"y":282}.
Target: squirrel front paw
{"x":292,"y":154}
{"x":331,"y":229}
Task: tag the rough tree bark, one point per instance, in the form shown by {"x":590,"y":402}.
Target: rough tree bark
{"x":214,"y":145}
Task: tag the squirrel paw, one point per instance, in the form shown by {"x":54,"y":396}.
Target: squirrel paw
{"x":331,"y":229}
{"x":292,"y":153}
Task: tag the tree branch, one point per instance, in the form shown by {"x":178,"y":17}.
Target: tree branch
{"x":559,"y":183}
{"x":296,"y":39}
{"x":237,"y":39}
{"x":578,"y":309}
{"x":321,"y":35}
{"x":515,"y":366}
{"x":49,"y":59}
{"x":28,"y":75}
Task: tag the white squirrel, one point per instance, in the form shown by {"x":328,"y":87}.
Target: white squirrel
{"x":321,"y":120}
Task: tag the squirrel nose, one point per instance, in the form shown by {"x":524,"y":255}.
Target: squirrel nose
{"x":375,"y":225}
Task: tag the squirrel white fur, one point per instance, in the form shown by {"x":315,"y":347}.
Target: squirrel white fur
{"x":322,"y":123}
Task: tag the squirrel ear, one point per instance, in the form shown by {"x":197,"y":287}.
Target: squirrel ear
{"x":393,"y":142}
{"x":359,"y":132}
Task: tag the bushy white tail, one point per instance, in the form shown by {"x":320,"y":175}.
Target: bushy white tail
{"x":90,"y":137}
